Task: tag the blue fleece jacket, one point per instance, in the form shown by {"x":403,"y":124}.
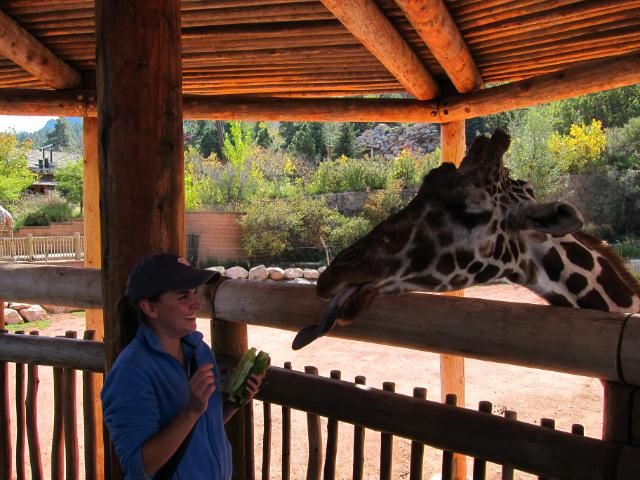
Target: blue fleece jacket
{"x":145,"y":390}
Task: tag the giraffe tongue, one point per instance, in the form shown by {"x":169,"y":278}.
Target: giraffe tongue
{"x":341,"y":306}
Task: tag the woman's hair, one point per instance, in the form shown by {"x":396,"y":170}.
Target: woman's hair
{"x":130,"y":315}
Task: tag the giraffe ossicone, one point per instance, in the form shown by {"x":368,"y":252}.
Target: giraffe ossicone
{"x":470,"y":226}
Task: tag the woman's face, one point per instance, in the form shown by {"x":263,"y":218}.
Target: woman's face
{"x":173,"y":314}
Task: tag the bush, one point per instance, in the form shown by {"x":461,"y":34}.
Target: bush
{"x":410,"y":169}
{"x":581,"y":150}
{"x":346,"y":230}
{"x":628,"y":248}
{"x":383,"y":203}
{"x":42,"y":210}
{"x":348,"y":175}
{"x":602,"y":231}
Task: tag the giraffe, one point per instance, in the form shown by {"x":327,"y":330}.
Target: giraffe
{"x":6,"y":223}
{"x":470,"y":226}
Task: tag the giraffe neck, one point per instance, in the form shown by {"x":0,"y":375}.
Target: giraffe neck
{"x":580,"y":271}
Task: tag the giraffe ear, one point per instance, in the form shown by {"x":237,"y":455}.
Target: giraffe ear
{"x":555,"y":218}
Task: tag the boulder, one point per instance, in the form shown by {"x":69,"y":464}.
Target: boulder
{"x":259,"y":273}
{"x":236,"y":272}
{"x":322,"y":269}
{"x":18,"y":305}
{"x":276,"y":273}
{"x":58,"y":309}
{"x":310,"y":274}
{"x":12,"y":317}
{"x":33,"y":314}
{"x":220,"y":270}
{"x":291,"y":273}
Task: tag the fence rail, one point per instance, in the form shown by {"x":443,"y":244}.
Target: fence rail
{"x":42,"y":249}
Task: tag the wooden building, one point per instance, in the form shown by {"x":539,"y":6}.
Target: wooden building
{"x":135,"y":69}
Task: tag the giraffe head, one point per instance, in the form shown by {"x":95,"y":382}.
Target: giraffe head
{"x":465,"y":226}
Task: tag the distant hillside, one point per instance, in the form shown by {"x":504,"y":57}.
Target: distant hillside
{"x":39,"y":138}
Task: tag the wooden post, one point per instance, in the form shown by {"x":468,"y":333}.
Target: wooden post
{"x":452,"y":144}
{"x":76,"y":246}
{"x":140,"y":143}
{"x":30,"y":252}
{"x":92,"y":259}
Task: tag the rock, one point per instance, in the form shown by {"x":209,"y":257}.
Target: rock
{"x":58,"y":309}
{"x":12,"y":317}
{"x":236,"y":272}
{"x":322,"y":269}
{"x":259,"y":273}
{"x":18,"y":306}
{"x":291,"y":273}
{"x":276,"y":273}
{"x":301,"y":280}
{"x":220,"y":270}
{"x":310,"y":274}
{"x":33,"y":314}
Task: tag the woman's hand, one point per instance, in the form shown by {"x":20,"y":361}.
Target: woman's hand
{"x":253,"y":385}
{"x":201,"y":386}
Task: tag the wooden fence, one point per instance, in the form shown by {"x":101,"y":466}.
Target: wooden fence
{"x":598,"y":344}
{"x":42,"y":249}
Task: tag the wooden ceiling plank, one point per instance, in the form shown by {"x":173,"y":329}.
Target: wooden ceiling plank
{"x":24,"y":50}
{"x":434,"y":24}
{"x":367,"y":23}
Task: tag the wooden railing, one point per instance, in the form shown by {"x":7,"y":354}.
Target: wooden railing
{"x":596,"y":344}
{"x":42,"y":249}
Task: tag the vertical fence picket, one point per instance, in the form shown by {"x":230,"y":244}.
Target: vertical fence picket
{"x":358,"y":442}
{"x":31,"y":404}
{"x":386,"y":443}
{"x":507,"y":470}
{"x":332,"y":440}
{"x":480,"y":465}
{"x":57,"y":443}
{"x":70,"y":424}
{"x":547,"y":423}
{"x":286,"y":437}
{"x":90,"y":427}
{"x":577,"y":429}
{"x":314,"y":431}
{"x":417,"y":448}
{"x":5,"y":420}
{"x":447,"y":456}
{"x":20,"y":420}
{"x":266,"y":442}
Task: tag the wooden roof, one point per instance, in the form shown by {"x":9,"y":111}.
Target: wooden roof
{"x":313,"y":48}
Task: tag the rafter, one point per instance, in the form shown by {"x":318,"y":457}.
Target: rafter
{"x":368,"y":24}
{"x":26,"y":51}
{"x":437,"y":29}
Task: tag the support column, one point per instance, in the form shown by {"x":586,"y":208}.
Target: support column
{"x":92,"y":257}
{"x":452,"y":145}
{"x":140,"y":143}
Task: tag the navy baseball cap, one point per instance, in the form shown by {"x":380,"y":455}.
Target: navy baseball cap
{"x":165,"y":272}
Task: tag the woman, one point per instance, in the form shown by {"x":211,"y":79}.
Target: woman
{"x":161,"y":400}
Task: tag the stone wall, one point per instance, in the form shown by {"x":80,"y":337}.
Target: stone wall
{"x":387,"y":142}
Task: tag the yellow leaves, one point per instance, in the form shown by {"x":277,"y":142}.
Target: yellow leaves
{"x":581,"y":150}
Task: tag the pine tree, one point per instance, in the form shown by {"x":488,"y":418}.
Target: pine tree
{"x":303,"y":144}
{"x":346,"y":144}
{"x":262,"y":135}
{"x":60,"y":136}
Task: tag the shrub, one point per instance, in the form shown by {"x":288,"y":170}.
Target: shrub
{"x":628,"y":248}
{"x":410,"y":169}
{"x":383,"y":203}
{"x":348,"y":175}
{"x":602,"y":231}
{"x":346,"y":230}
{"x":40,"y":211}
{"x":581,"y":150}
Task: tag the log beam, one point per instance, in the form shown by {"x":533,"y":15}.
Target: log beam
{"x":26,"y":51}
{"x":437,"y":29}
{"x":365,"y":20}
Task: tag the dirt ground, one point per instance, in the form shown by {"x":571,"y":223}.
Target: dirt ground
{"x":532,"y":393}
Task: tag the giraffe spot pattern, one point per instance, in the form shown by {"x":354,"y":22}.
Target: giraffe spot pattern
{"x":427,"y":281}
{"x":463,"y":258}
{"x":593,"y":300}
{"x":421,"y":255}
{"x":613,"y":286}
{"x":445,"y":239}
{"x":446,"y":264}
{"x":475,"y":267}
{"x":458,"y":281}
{"x":487,"y":273}
{"x":552,"y":264}
{"x":558,"y":300}
{"x":497,"y":251}
{"x":506,"y":257}
{"x":576,"y":283}
{"x":578,"y":255}
{"x":435,"y":219}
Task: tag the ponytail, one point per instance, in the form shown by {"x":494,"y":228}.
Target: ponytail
{"x":129,"y":317}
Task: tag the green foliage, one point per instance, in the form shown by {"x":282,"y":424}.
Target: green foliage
{"x":303,"y":144}
{"x":26,"y":326}
{"x":623,"y":145}
{"x":628,"y":248}
{"x":69,"y":180}
{"x":306,"y":140}
{"x":343,"y":231}
{"x":61,"y":135}
{"x":383,"y":203}
{"x":346,"y":142}
{"x":41,"y":210}
{"x":237,"y":144}
{"x":15,"y":175}
{"x":262,"y":135}
{"x":581,"y":150}
{"x":348,"y":175}
{"x":409,"y":169}
{"x":603,"y":231}
{"x":529,"y":157}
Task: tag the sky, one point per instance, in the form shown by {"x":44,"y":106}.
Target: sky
{"x":22,"y":123}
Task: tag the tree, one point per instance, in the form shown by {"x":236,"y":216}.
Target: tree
{"x":262,"y":135}
{"x":303,"y":145}
{"x":60,"y":136}
{"x":623,"y":145}
{"x":15,"y":175}
{"x":581,"y":150}
{"x":314,"y":133}
{"x":346,"y":143}
{"x":69,"y":180}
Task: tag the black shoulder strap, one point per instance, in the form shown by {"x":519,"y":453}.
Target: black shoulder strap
{"x":169,"y":468}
